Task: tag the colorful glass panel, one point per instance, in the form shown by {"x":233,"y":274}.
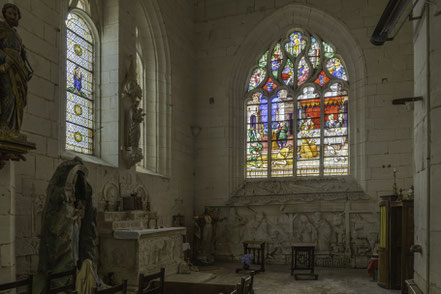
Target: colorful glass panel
{"x":322,"y":79}
{"x":79,"y":85}
{"x":257,"y":136}
{"x":270,"y":85}
{"x":296,"y":44}
{"x":263,"y":61}
{"x":329,"y":51}
{"x":308,"y":93}
{"x":314,"y":53}
{"x":336,"y":145}
{"x":306,"y":136}
{"x":256,"y":78}
{"x":288,"y":73}
{"x":302,"y":71}
{"x":276,"y":59}
{"x":336,"y":68}
{"x":282,"y":134}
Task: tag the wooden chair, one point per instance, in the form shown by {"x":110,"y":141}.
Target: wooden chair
{"x":120,"y":288}
{"x":246,"y":284}
{"x":145,"y":283}
{"x":14,"y":285}
{"x":67,"y":288}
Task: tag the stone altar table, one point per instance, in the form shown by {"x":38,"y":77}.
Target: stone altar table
{"x":126,"y":251}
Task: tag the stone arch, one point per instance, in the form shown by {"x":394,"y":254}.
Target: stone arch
{"x":156,"y":54}
{"x":275,"y":26}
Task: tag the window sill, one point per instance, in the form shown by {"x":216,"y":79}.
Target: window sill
{"x":143,"y":170}
{"x":329,"y":187}
{"x":69,"y":155}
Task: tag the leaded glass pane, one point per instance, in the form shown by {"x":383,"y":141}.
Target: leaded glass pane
{"x":282,"y":126}
{"x":322,"y":79}
{"x":336,"y":68}
{"x":314,"y":52}
{"x":79,"y":85}
{"x":256,"y":78}
{"x":79,"y":139}
{"x":302,"y":71}
{"x":329,"y":51}
{"x":276,"y":59}
{"x":288,"y":73}
{"x":270,"y":85}
{"x":296,"y":44}
{"x":336,"y":145}
{"x":257,"y":136}
{"x":77,"y":25}
{"x":263,"y":61}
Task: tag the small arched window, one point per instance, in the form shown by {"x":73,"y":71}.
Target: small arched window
{"x":297,"y":110}
{"x":80,"y":92}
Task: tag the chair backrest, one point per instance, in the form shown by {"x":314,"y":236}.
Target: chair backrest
{"x":119,"y":288}
{"x":145,"y":283}
{"x":14,"y":285}
{"x":67,"y":287}
{"x":246,"y":284}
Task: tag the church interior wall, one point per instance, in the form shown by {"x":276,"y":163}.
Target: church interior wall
{"x":427,"y":151}
{"x":381,"y":137}
{"x":170,"y":187}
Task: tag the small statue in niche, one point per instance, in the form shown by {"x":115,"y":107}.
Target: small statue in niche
{"x":134,"y":116}
{"x":15,"y":71}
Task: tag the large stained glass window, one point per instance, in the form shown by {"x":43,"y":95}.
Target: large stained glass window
{"x":79,"y":85}
{"x":297,"y":110}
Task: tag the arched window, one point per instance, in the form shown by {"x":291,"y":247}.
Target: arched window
{"x":80,"y":92}
{"x":297,"y":110}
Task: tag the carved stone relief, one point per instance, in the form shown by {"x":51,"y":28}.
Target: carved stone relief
{"x":326,"y":229}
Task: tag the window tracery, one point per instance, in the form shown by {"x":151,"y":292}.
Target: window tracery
{"x":297,"y":110}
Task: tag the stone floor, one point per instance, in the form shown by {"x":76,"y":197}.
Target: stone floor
{"x":277,"y":280}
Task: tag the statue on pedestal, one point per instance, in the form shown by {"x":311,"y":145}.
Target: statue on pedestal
{"x":205,"y":232}
{"x":134,"y":116}
{"x":15,"y":72}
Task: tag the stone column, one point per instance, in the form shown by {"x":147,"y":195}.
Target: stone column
{"x":7,"y":222}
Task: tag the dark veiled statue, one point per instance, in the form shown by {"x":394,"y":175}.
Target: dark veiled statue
{"x":68,"y":232}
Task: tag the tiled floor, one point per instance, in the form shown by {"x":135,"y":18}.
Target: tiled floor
{"x":277,"y":280}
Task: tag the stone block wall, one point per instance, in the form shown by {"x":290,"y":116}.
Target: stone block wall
{"x":232,"y":35}
{"x":170,"y":188}
{"x":427,"y":149}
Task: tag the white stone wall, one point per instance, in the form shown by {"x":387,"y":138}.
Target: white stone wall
{"x":231,"y":35}
{"x":427,"y":149}
{"x":171,"y":190}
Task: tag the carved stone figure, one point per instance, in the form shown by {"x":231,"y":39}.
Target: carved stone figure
{"x":68,"y":231}
{"x":306,"y":232}
{"x":15,"y":71}
{"x":205,"y":231}
{"x":324,"y":232}
{"x":134,"y":115}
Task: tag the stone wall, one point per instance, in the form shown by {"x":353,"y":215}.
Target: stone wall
{"x":170,"y":186}
{"x":427,"y":149}
{"x":231,"y":36}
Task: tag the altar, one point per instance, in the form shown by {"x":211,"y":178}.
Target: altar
{"x":128,"y":246}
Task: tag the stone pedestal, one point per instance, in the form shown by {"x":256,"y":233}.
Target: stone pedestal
{"x":128,"y":247}
{"x":7,"y":222}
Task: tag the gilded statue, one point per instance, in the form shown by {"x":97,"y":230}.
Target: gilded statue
{"x":15,"y":72}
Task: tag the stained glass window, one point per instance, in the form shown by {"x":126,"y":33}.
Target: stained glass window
{"x":79,"y":85}
{"x":297,"y":110}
